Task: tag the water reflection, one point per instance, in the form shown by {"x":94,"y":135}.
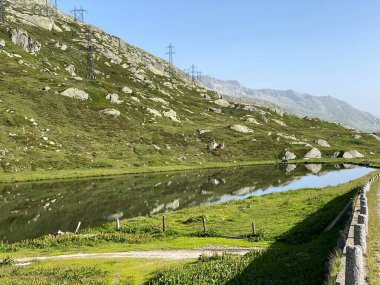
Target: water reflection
{"x":33,"y":209}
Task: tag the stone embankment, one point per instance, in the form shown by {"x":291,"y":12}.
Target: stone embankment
{"x":353,"y":268}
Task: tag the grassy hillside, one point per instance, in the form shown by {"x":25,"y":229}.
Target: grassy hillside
{"x":45,"y":130}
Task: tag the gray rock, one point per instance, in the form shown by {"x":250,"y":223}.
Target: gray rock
{"x":352,"y":154}
{"x":354,"y":266}
{"x":215,"y":110}
{"x":2,"y":44}
{"x":356,"y":136}
{"x":222,"y":103}
{"x":172,"y":115}
{"x":114,"y":98}
{"x":313,"y":153}
{"x":75,"y":93}
{"x":290,"y":167}
{"x":289,"y":156}
{"x":241,"y":129}
{"x":71,"y":70}
{"x":214,"y":146}
{"x":21,"y":38}
{"x":203,"y":131}
{"x":127,"y":90}
{"x":111,"y":112}
{"x":322,"y":142}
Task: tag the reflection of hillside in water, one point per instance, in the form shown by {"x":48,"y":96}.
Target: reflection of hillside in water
{"x":33,"y":209}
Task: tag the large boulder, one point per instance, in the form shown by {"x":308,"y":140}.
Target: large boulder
{"x":289,"y":155}
{"x":75,"y":93}
{"x":313,"y":153}
{"x":114,"y":98}
{"x":21,"y":38}
{"x":111,"y":112}
{"x":241,"y":129}
{"x":352,"y":154}
{"x":323,"y":143}
{"x":222,"y":103}
{"x":314,"y":168}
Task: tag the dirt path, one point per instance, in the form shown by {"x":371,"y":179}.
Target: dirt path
{"x":156,"y":254}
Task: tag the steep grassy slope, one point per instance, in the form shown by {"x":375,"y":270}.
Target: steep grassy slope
{"x":45,"y":130}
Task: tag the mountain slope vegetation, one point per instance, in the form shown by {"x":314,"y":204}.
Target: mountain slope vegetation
{"x":134,"y":114}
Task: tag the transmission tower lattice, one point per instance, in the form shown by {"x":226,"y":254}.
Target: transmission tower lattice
{"x":1,"y":12}
{"x":170,"y":53}
{"x":90,"y":57}
{"x":199,"y":76}
{"x":79,"y":14}
{"x":192,"y":72}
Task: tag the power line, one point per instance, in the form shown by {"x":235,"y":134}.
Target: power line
{"x":170,"y":53}
{"x":79,"y":13}
{"x":90,"y":57}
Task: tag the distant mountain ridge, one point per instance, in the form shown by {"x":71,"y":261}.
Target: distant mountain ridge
{"x":301,"y":104}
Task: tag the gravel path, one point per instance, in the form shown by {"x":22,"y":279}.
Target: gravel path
{"x":155,"y":254}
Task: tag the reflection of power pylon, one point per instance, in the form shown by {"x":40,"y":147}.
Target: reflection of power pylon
{"x":90,"y":57}
{"x":78,"y":14}
{"x":170,"y":53}
{"x":2,"y":18}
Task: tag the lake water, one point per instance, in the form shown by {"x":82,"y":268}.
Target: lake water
{"x":29,"y":210}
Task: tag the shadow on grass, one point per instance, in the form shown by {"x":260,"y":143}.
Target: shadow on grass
{"x":299,"y":256}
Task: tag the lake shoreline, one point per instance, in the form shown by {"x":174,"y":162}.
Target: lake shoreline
{"x":68,"y":174}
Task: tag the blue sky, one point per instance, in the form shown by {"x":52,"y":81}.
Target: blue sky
{"x":321,"y":47}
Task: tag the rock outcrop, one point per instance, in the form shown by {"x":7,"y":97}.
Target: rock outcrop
{"x":114,"y":98}
{"x":75,"y":93}
{"x":313,"y":153}
{"x":21,"y":38}
{"x":222,"y":103}
{"x":111,"y":112}
{"x":289,"y":155}
{"x":352,"y":154}
{"x":172,"y":115}
{"x":323,"y":143}
{"x":2,"y":44}
{"x":241,"y":129}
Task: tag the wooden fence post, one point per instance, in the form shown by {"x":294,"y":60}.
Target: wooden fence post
{"x":204,"y":224}
{"x":117,"y":225}
{"x":78,"y":227}
{"x":163,"y":224}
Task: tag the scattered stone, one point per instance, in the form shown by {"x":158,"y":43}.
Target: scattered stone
{"x":62,"y":47}
{"x":114,"y":98}
{"x":75,"y":93}
{"x":2,"y":44}
{"x":127,"y":90}
{"x":46,"y":88}
{"x":222,"y":103}
{"x":71,"y":70}
{"x":313,"y":153}
{"x":323,"y":143}
{"x":289,"y":155}
{"x":281,"y":123}
{"x":154,"y":112}
{"x":214,"y":146}
{"x":215,"y":110}
{"x":253,"y":121}
{"x":356,"y":136}
{"x":111,"y":112}
{"x":160,"y":100}
{"x":172,"y":115}
{"x":21,"y":38}
{"x":290,"y":167}
{"x":241,"y":129}
{"x":352,"y":154}
{"x":203,"y":131}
